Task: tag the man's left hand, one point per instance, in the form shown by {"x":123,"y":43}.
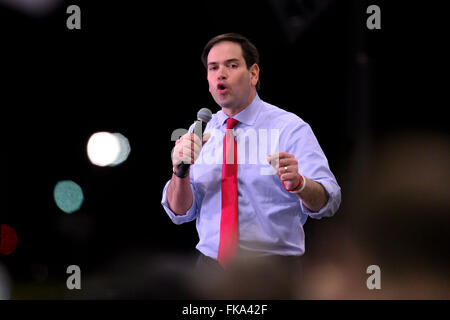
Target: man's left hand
{"x":286,"y":167}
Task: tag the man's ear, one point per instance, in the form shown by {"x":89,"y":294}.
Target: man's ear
{"x":254,"y":74}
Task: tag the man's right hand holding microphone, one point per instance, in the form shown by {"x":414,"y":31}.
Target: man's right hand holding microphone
{"x":187,"y":149}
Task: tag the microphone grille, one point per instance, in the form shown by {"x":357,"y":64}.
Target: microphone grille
{"x":204,"y":114}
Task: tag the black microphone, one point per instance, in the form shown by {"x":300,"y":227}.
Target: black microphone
{"x":203,"y":117}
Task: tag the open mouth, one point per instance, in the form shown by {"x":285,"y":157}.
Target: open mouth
{"x":222,"y":88}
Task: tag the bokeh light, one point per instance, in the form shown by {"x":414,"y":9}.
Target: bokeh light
{"x":103,"y":148}
{"x":108,"y":149}
{"x":124,"y":149}
{"x":34,"y":7}
{"x":8,"y":239}
{"x":68,"y":196}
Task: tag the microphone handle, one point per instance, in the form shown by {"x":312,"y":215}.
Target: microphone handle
{"x":198,"y":129}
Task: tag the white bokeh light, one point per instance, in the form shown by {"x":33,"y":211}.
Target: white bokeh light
{"x":108,"y":149}
{"x":103,"y":148}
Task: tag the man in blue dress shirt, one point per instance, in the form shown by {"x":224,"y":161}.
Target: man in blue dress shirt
{"x":277,"y":152}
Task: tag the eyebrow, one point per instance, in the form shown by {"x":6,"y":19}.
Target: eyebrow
{"x":226,"y":61}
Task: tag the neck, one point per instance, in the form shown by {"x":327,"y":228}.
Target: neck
{"x":231,"y":112}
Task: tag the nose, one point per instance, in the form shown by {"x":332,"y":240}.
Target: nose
{"x":222,"y":73}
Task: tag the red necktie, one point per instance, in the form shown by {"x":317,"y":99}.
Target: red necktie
{"x":229,"y":218}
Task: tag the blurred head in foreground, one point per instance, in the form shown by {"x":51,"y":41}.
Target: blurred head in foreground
{"x":397,"y":216}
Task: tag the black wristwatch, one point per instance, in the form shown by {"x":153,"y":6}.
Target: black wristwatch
{"x":179,"y":175}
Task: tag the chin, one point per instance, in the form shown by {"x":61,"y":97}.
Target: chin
{"x":224,"y":102}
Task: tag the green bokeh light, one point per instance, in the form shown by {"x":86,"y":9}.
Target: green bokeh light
{"x":68,"y":196}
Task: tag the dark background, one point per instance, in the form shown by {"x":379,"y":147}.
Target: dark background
{"x":135,"y":68}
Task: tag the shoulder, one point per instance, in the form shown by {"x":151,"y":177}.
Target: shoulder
{"x":280,"y":118}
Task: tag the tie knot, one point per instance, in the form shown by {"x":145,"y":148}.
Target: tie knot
{"x":231,"y":122}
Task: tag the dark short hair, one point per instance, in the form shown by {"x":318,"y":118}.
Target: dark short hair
{"x":249,"y":51}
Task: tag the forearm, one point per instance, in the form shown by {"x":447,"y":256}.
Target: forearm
{"x":179,"y":195}
{"x":314,"y":196}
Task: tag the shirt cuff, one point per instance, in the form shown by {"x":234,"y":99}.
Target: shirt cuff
{"x":178,"y":219}
{"x":332,"y":205}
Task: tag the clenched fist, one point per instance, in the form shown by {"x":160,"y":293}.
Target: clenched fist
{"x":286,"y":167}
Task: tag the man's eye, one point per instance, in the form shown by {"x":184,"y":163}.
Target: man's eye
{"x":234,"y":66}
{"x":212,"y":68}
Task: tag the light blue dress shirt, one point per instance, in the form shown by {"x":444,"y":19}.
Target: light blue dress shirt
{"x":270,"y":218}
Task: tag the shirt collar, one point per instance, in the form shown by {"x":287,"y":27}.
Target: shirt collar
{"x":247,"y":116}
